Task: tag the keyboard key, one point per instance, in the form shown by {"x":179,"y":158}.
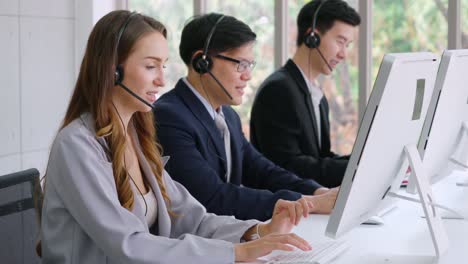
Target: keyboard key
{"x":321,"y":253}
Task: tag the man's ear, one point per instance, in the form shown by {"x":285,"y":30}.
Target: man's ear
{"x":196,"y":54}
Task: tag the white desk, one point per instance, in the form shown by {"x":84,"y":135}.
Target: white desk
{"x":405,"y":237}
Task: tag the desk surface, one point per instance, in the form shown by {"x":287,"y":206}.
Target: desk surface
{"x":405,"y":236}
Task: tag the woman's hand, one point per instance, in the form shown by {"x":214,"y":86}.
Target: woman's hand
{"x":286,"y":215}
{"x":275,"y":235}
{"x":265,"y":245}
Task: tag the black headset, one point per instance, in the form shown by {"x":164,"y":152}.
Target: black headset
{"x":119,"y":76}
{"x":311,"y":39}
{"x":203,"y":63}
{"x":119,"y":71}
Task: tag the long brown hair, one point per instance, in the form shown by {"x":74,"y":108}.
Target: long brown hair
{"x":93,"y":92}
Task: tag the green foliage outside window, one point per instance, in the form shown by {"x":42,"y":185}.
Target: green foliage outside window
{"x":398,"y":26}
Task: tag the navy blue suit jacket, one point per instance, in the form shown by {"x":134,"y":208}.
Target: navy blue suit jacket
{"x":190,"y":137}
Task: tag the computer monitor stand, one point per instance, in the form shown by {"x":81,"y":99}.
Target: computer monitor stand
{"x":433,"y":217}
{"x":460,"y":155}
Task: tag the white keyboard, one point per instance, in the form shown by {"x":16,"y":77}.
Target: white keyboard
{"x":321,"y":253}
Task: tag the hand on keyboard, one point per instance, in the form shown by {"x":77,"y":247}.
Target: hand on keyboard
{"x":321,"y":253}
{"x":274,"y":235}
{"x":286,"y":215}
{"x":263,"y":246}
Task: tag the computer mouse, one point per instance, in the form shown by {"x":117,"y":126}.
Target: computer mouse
{"x":374,"y":220}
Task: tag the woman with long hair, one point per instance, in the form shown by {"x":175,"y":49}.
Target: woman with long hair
{"x":107,"y":197}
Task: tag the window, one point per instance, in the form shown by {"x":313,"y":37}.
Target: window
{"x":398,"y":26}
{"x":407,"y":26}
{"x":164,"y":11}
{"x":464,"y":23}
{"x":341,"y":89}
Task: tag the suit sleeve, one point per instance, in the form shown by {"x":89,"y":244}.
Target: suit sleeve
{"x":192,"y":217}
{"x":276,"y":130}
{"x":260,"y":172}
{"x":84,"y":181}
{"x":188,"y":167}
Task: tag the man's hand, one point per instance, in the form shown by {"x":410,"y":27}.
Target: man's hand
{"x":323,"y":200}
{"x":320,"y":191}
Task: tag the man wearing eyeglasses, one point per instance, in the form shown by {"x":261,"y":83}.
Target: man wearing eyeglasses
{"x":202,"y":134}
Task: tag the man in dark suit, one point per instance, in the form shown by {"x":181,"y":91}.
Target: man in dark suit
{"x":289,"y":120}
{"x":208,"y":152}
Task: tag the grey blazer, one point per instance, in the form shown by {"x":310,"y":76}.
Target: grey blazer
{"x":83,"y":221}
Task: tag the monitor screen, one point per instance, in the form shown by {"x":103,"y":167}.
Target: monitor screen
{"x":393,"y":119}
{"x":443,"y":133}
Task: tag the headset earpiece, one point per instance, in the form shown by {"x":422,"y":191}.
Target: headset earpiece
{"x":202,"y":64}
{"x":119,"y":72}
{"x":312,"y":40}
{"x":118,"y":75}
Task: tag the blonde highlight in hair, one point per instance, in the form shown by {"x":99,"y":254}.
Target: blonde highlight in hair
{"x":146,"y":131}
{"x":115,"y":137}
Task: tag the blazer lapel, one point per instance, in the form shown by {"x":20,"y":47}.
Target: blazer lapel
{"x":163,"y":228}
{"x":325,"y":125}
{"x":296,"y":74}
{"x":164,"y":222}
{"x":202,"y":115}
{"x":138,"y":210}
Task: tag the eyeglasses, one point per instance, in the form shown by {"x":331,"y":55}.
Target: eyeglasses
{"x":242,"y":65}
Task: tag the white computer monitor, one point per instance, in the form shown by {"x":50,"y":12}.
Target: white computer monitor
{"x":444,"y":138}
{"x":393,"y":120}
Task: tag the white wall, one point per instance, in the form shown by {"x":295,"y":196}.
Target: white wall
{"x":41,"y":47}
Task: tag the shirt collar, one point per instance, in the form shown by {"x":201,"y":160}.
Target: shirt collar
{"x":202,"y":99}
{"x":313,"y":87}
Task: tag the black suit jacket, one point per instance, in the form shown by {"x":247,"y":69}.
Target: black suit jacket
{"x":188,"y":134}
{"x":283,"y":128}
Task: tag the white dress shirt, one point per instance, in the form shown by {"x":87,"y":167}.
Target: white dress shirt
{"x":316,"y":95}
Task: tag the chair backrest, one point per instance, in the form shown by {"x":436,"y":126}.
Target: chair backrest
{"x":19,"y":228}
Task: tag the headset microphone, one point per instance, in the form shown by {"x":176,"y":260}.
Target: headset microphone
{"x":203,"y":63}
{"x":119,"y":71}
{"x":323,"y":58}
{"x":220,"y":85}
{"x":118,"y":81}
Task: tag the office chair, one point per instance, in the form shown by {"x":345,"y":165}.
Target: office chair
{"x":19,"y":225}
